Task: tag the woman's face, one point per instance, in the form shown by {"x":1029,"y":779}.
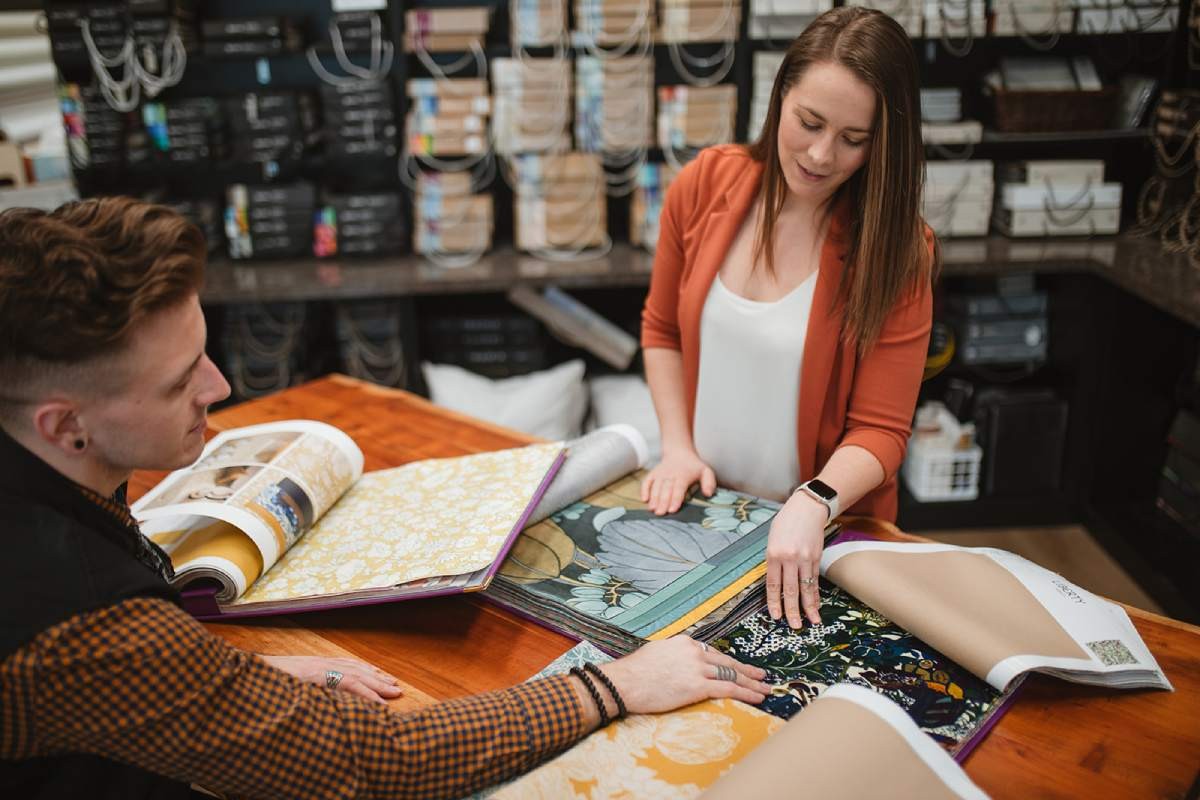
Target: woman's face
{"x":825,"y":130}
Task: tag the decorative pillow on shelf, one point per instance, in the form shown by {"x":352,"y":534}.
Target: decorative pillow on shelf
{"x":550,"y":404}
{"x":626,"y":398}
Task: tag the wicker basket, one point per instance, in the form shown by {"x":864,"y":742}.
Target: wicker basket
{"x":1042,"y":112}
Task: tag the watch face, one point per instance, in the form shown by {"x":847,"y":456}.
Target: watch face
{"x":822,"y":490}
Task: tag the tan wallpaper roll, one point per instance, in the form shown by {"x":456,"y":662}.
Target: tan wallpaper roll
{"x":833,"y":748}
{"x":964,"y":604}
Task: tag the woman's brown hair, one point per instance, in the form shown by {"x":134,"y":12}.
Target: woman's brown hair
{"x":887,"y":254}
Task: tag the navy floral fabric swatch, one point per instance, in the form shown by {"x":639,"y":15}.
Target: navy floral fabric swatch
{"x":858,"y":645}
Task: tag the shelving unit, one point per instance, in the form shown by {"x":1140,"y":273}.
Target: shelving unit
{"x":1095,"y":281}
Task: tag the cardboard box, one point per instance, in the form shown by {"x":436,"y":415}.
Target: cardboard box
{"x":446,"y":125}
{"x":452,"y":87}
{"x":1039,"y":222}
{"x":1073,"y":172}
{"x":442,"y":42}
{"x":1064,"y":199}
{"x":466,"y":19}
{"x":966,"y":132}
{"x":960,"y":218}
{"x":1019,"y":19}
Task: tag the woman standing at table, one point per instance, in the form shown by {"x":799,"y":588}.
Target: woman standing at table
{"x":790,"y":306}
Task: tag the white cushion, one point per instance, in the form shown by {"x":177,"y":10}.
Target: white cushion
{"x":626,"y":399}
{"x":550,"y":404}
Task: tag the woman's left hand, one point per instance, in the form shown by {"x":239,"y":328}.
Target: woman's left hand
{"x":794,"y":548}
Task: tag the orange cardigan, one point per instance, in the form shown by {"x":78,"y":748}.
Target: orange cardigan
{"x":844,"y":399}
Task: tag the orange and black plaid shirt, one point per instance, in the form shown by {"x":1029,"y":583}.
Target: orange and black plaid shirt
{"x":143,"y":683}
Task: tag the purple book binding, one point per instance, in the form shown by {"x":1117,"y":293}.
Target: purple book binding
{"x":202,"y":602}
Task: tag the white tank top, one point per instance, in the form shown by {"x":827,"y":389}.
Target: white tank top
{"x":748,"y":391}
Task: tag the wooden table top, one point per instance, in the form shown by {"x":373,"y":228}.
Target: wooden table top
{"x":1058,"y":740}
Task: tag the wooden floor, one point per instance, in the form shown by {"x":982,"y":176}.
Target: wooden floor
{"x":1068,"y":550}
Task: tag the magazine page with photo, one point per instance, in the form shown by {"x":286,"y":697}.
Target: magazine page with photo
{"x":249,"y":497}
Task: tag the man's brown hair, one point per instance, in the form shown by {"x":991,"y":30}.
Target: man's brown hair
{"x":76,"y":281}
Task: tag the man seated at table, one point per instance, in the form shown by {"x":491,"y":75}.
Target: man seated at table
{"x":107,"y":688}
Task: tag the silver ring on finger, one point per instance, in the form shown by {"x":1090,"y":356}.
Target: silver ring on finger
{"x":808,"y":581}
{"x":333,"y":678}
{"x":726,"y":673}
{"x":703,"y":647}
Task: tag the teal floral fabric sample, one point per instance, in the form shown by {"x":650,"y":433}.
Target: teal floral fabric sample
{"x":858,"y":645}
{"x":604,"y":557}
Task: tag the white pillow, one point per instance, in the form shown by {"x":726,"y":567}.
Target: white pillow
{"x":626,"y":399}
{"x":550,"y":404}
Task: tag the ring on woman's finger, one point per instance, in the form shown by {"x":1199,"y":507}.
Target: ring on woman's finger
{"x":726,"y":673}
{"x":703,"y":647}
{"x":808,"y":581}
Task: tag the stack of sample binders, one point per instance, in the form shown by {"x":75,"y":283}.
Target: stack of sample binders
{"x":359,"y":119}
{"x":766,"y":65}
{"x":1135,"y":16}
{"x":269,"y":126}
{"x":1057,"y":198}
{"x":909,"y":13}
{"x":532,"y":103}
{"x":560,"y":202}
{"x":496,"y":346}
{"x":445,"y":30}
{"x":941,"y":118}
{"x":1039,"y":18}
{"x":107,"y":26}
{"x":250,"y":37}
{"x":448,"y":117}
{"x":695,"y":116}
{"x":783,"y":20}
{"x":614,"y":104}
{"x":954,"y":19}
{"x":269,"y":221}
{"x":186,"y":131}
{"x":687,"y":21}
{"x":359,"y":224}
{"x":646,"y":206}
{"x":97,"y":136}
{"x":958,"y":197}
{"x":448,"y":218}
{"x":613,"y":23}
{"x":537,"y":23}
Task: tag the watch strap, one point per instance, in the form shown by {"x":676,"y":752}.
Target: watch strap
{"x":828,"y":498}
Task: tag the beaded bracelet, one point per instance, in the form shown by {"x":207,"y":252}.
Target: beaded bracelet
{"x":608,"y":684}
{"x":595,"y":693}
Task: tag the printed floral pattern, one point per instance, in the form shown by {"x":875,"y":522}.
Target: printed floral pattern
{"x":857,"y":644}
{"x":675,"y":755}
{"x":608,"y":553}
{"x":438,"y":517}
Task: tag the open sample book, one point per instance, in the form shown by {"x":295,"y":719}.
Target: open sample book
{"x":280,"y":518}
{"x":944,"y":632}
{"x":851,"y":742}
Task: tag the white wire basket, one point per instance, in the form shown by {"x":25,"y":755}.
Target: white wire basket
{"x":942,"y":462}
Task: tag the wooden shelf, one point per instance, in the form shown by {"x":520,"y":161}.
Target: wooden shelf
{"x":1065,"y":137}
{"x":1138,"y":266}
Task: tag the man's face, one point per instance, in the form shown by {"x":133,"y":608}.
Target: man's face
{"x":156,"y":416}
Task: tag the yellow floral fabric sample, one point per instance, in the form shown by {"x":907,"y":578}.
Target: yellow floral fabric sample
{"x":446,"y":516}
{"x":673,"y":755}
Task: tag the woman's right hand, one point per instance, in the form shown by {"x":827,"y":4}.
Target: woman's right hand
{"x":676,"y":672}
{"x":667,"y":484}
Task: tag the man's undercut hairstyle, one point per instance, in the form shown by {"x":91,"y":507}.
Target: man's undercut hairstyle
{"x":76,"y":281}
